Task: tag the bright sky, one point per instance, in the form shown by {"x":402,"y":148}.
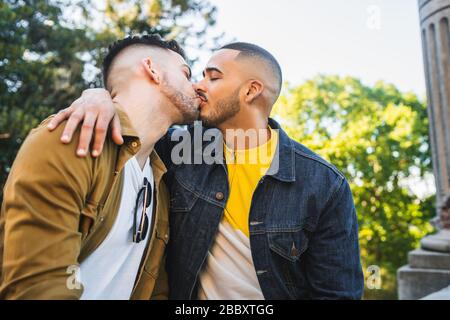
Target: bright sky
{"x":369,"y":39}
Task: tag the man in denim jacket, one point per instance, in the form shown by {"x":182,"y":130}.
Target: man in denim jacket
{"x":282,"y":228}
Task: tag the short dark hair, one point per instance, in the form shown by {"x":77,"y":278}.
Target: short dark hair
{"x":153,"y":39}
{"x":252,"y":50}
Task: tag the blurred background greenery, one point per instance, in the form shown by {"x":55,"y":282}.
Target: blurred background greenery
{"x":376,"y":135}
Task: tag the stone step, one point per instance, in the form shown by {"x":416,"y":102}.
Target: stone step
{"x":416,"y":283}
{"x":424,"y":259}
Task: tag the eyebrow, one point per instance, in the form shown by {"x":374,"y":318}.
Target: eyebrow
{"x":211,"y":69}
{"x":189,"y":69}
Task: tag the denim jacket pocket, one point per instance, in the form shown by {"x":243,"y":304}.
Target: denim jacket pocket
{"x":182,"y":199}
{"x":290,"y":243}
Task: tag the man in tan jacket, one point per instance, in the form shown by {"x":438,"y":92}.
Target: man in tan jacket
{"x":97,"y":227}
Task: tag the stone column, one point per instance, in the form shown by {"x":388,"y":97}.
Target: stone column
{"x":435,"y":29}
{"x":429,"y":267}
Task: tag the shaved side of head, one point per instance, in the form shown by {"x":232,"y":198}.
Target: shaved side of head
{"x":127,"y":63}
{"x":261,"y":64}
{"x":133,"y":49}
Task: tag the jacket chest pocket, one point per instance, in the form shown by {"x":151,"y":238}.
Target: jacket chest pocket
{"x":181,"y":199}
{"x":156,"y":252}
{"x":288,"y":246}
{"x":289,"y":243}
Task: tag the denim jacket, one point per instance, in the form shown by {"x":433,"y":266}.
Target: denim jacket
{"x":302,"y":222}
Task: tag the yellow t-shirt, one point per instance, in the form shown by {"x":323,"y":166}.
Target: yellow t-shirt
{"x":229,"y":272}
{"x":245,"y":169}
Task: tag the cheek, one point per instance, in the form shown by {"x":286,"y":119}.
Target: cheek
{"x":220,"y":89}
{"x":185,"y":86}
{"x":216,"y":91}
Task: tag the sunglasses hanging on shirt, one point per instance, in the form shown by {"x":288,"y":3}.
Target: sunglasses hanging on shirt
{"x":145,"y":197}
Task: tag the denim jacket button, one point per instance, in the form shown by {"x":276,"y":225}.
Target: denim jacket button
{"x":219,"y":196}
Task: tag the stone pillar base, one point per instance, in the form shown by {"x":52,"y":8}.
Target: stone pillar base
{"x":437,"y":242}
{"x":443,"y":294}
{"x":426,"y":273}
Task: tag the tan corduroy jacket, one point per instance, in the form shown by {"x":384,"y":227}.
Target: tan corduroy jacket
{"x":58,"y":208}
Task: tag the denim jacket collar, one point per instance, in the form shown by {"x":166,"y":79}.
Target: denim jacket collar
{"x":286,"y":153}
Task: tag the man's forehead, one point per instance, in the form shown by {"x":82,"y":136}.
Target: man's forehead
{"x":222,"y":57}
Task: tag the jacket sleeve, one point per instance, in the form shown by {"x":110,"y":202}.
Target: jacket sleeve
{"x":43,"y":199}
{"x":333,"y":260}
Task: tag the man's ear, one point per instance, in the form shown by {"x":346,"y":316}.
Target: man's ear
{"x":148,"y":66}
{"x":254,"y":90}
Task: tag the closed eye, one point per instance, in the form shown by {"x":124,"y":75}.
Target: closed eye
{"x":187,"y":72}
{"x":210,"y":72}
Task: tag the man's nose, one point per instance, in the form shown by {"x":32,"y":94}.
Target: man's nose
{"x":199,"y":86}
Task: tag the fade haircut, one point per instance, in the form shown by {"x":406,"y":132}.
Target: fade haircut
{"x":153,"y":39}
{"x":252,"y":50}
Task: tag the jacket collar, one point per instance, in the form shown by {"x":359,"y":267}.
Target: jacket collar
{"x":284,"y":157}
{"x":125,"y":122}
{"x":132,"y":145}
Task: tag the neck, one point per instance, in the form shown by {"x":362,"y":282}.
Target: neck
{"x":246,"y":131}
{"x":141,"y":109}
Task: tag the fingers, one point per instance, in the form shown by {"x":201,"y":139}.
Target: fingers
{"x":72,"y":125}
{"x":101,"y":129}
{"x":87,"y":130}
{"x":116,"y":130}
{"x":95,"y":109}
{"x":59,"y":117}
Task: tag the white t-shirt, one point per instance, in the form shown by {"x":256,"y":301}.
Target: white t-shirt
{"x":229,"y":273}
{"x":110,"y":271}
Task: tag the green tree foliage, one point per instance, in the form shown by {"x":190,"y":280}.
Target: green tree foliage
{"x":51,"y":50}
{"x":378,"y":137}
{"x":187,"y":21}
{"x":40,"y":69}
